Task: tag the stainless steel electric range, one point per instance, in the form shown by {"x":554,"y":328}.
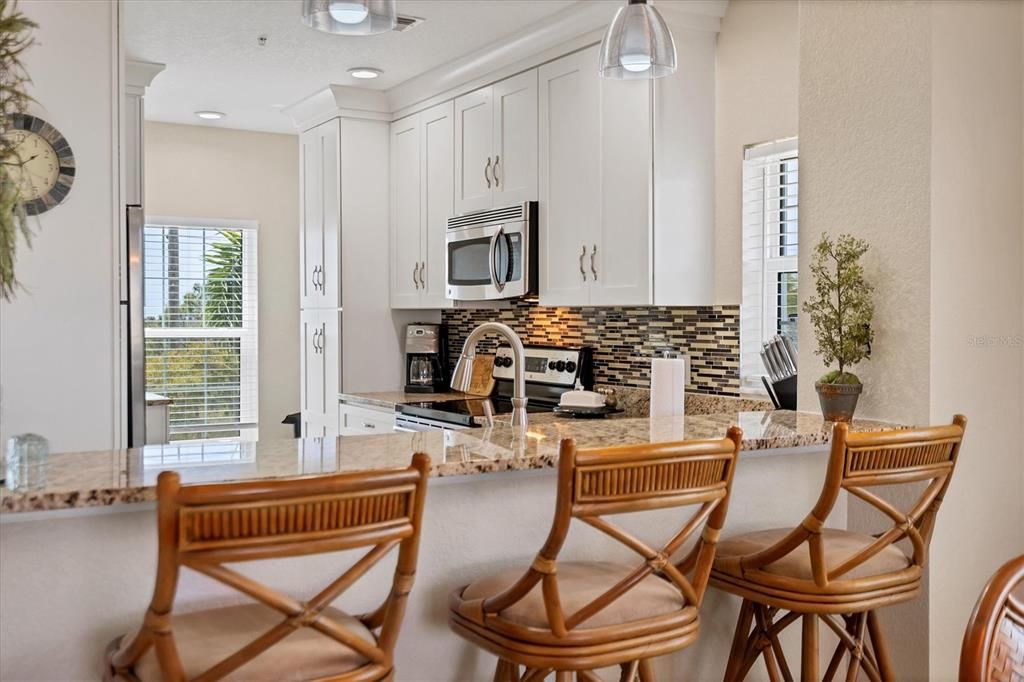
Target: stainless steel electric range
{"x":550,"y":372}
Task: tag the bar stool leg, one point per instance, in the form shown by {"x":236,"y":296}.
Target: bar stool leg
{"x":563,"y":676}
{"x":646,"y":670}
{"x":809,"y":648}
{"x":879,"y":646}
{"x":739,"y":641}
{"x":628,"y":671}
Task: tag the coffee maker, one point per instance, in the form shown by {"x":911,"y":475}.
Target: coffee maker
{"x":426,"y":358}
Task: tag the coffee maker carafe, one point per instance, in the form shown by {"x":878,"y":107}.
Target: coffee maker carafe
{"x":426,"y":358}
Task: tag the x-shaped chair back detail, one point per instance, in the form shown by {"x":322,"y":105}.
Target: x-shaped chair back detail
{"x":204,"y":527}
{"x":859,"y":461}
{"x":595,"y":483}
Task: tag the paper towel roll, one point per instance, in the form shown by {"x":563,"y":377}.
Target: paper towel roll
{"x":668,"y":386}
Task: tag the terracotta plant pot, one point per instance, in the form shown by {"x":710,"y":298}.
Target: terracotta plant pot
{"x":838,"y":401}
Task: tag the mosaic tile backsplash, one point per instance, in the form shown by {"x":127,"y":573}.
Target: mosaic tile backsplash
{"x":624,"y":339}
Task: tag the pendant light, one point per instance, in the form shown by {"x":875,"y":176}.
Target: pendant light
{"x":638,"y":44}
{"x":350,"y":17}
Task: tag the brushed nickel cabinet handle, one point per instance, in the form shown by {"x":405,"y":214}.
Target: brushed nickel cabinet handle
{"x":583,"y":253}
{"x":423,"y":280}
{"x":415,"y":282}
{"x":592,"y":268}
{"x":487,"y":172}
{"x":494,"y":171}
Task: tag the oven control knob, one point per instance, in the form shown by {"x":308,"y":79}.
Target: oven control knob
{"x":500,"y":361}
{"x":508,"y":362}
{"x":560,"y":365}
{"x":570,"y":366}
{"x":552,"y":365}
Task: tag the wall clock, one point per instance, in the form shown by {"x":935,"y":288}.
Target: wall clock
{"x":47,"y":166}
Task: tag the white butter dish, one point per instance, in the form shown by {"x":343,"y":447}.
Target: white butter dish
{"x":581,"y":398}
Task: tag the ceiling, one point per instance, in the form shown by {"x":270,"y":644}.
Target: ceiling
{"x":214,"y":60}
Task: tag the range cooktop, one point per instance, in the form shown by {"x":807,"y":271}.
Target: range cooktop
{"x":463,"y":411}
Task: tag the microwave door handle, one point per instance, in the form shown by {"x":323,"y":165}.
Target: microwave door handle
{"x":499,"y":285}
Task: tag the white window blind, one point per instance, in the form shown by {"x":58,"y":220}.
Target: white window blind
{"x":201,"y":327}
{"x":770,"y":218}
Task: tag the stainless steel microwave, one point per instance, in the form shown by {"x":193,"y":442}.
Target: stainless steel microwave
{"x":492,"y":255}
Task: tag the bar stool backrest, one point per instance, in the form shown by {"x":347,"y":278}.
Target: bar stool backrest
{"x":595,"y":483}
{"x":204,"y":527}
{"x":993,"y":648}
{"x":859,"y":461}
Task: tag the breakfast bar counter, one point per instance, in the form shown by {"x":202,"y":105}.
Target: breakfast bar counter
{"x":78,"y":545}
{"x":111,"y":477}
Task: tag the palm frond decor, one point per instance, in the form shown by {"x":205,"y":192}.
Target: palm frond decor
{"x":15,"y":39}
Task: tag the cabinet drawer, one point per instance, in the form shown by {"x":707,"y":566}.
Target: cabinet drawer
{"x":356,"y":420}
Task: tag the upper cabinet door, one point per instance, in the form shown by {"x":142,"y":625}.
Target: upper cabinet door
{"x":311,"y":228}
{"x":330,"y":194}
{"x":405,"y":212}
{"x":320,"y":228}
{"x":474,"y":160}
{"x":621,"y":268}
{"x":570,"y":177}
{"x":437,"y":182}
{"x":514,"y":169}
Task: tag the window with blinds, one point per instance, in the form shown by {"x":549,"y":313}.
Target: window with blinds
{"x":770,"y":208}
{"x":201,"y":327}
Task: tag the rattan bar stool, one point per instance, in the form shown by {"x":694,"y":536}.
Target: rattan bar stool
{"x":204,"y":527}
{"x":574,"y":617}
{"x":993,"y":648}
{"x":813,"y":573}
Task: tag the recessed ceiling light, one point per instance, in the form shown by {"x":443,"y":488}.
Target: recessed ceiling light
{"x":210,"y":115}
{"x":364,"y":72}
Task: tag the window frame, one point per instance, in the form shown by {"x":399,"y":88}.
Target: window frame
{"x":770,"y":265}
{"x":247,"y":334}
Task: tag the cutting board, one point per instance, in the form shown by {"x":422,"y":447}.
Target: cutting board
{"x":482,"y":381}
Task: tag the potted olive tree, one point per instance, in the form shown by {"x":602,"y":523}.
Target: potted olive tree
{"x":840,"y":312}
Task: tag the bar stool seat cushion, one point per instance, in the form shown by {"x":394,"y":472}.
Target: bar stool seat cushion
{"x":839,"y":545}
{"x":579,"y":583}
{"x":204,"y":638}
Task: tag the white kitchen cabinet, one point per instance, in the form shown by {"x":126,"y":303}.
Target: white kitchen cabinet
{"x":496,"y":145}
{"x":437,"y":183}
{"x":595,"y":186}
{"x":405,"y":212}
{"x":320,"y":219}
{"x":320,"y":370}
{"x":359,"y":420}
{"x":422,"y":193}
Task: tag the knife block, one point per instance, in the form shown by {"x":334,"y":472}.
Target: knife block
{"x":782,"y":393}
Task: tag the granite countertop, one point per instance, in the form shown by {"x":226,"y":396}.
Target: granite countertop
{"x":110,"y":477}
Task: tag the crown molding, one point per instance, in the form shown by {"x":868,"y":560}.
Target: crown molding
{"x":338,"y":100}
{"x":139,"y":75}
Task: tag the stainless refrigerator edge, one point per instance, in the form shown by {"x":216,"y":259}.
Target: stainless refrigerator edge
{"x":132,"y":312}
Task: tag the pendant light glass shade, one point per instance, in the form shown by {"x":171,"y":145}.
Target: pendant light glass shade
{"x":638,"y":44}
{"x":350,"y":17}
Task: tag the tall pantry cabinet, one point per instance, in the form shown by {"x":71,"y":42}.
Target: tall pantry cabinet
{"x":349,"y":336}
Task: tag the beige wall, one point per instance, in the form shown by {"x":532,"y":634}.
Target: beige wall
{"x":911,"y":137}
{"x":757,"y":74}
{"x":58,"y":339}
{"x":977,"y":357}
{"x":205,"y":172}
{"x":865,"y":142}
